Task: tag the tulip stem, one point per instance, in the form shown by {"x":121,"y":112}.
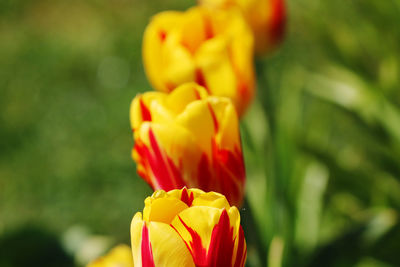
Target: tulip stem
{"x":278,"y":170}
{"x":253,"y":237}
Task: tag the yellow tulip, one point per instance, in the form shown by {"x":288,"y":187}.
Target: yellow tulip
{"x":187,"y":228}
{"x":120,"y":256}
{"x":267,"y":19}
{"x":188,"y":138}
{"x":212,"y":48}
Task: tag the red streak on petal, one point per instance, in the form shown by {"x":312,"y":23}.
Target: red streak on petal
{"x":140,"y":155}
{"x":163,"y":35}
{"x":200,"y":79}
{"x":146,"y":115}
{"x":220,"y":252}
{"x":185,"y":197}
{"x":278,"y":20}
{"x":241,"y":251}
{"x":147,"y":253}
{"x":224,"y":172}
{"x":205,"y":176}
{"x":214,"y":117}
{"x":195,"y":246}
{"x":169,"y":86}
{"x":197,"y":94}
{"x":164,"y":170}
{"x":208,"y":30}
{"x":155,"y":166}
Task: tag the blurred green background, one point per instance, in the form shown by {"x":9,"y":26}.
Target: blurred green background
{"x":324,"y":130}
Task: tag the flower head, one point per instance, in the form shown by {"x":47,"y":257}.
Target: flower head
{"x":188,"y":228}
{"x":188,"y":138}
{"x":211,"y":47}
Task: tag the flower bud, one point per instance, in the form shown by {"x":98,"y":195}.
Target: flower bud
{"x":188,"y":138}
{"x":188,"y":228}
{"x":213,"y":48}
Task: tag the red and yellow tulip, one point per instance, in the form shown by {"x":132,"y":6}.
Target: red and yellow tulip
{"x":267,"y":19}
{"x":213,"y":48}
{"x":188,"y":138}
{"x":188,"y":228}
{"x":120,"y":256}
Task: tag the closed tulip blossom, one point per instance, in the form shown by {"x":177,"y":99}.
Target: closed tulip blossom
{"x":119,"y":256}
{"x":210,"y":47}
{"x":267,"y":19}
{"x":187,"y":228}
{"x":188,"y":138}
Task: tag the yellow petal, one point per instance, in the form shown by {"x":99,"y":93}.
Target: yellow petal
{"x":120,"y":255}
{"x":140,"y":109}
{"x":178,"y":62}
{"x":196,"y":225}
{"x":164,"y":210}
{"x":179,"y":151}
{"x":227,"y":136}
{"x":198,"y":120}
{"x":200,"y":219}
{"x":167,"y":247}
{"x":212,"y":58}
{"x":155,"y":37}
{"x":183,"y":95}
{"x":169,"y":250}
{"x":211,"y":199}
{"x":136,"y":238}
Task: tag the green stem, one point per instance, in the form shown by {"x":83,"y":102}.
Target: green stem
{"x":253,"y":236}
{"x":279,"y":206}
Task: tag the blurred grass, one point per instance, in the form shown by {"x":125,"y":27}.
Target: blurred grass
{"x":329,"y":145}
{"x":68,"y":73}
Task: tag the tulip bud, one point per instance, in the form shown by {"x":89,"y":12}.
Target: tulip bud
{"x":210,"y":47}
{"x":120,"y":256}
{"x":267,"y":19}
{"x":188,"y":138}
{"x":188,"y":228}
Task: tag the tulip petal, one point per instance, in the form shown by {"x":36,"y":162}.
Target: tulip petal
{"x":180,"y":64}
{"x":164,"y":210}
{"x":136,"y":238}
{"x":157,"y":244}
{"x":213,"y":61}
{"x":120,"y":255}
{"x":220,"y":252}
{"x":227,"y":136}
{"x":240,"y":252}
{"x":210,"y":234}
{"x":169,"y":250}
{"x":155,"y":37}
{"x":140,"y":108}
{"x":146,"y":249}
{"x":156,"y":167}
{"x":199,"y":121}
{"x":195,"y":29}
{"x":211,"y":199}
{"x":178,"y":99}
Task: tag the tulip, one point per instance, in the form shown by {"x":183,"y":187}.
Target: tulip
{"x":267,"y":19}
{"x":212,"y":48}
{"x":120,"y":256}
{"x":188,"y":138}
{"x":189,"y":228}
